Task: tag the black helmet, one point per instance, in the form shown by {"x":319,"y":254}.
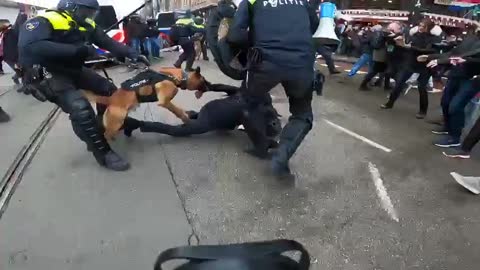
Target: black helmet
{"x":80,"y":9}
{"x":198,"y":20}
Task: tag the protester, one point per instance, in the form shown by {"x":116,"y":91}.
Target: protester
{"x":458,"y":91}
{"x":422,"y":39}
{"x":366,"y":48}
{"x":379,"y":57}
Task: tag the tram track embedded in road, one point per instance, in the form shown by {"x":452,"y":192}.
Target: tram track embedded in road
{"x":15,"y":172}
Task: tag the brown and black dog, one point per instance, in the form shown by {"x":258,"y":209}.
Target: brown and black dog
{"x":159,"y":86}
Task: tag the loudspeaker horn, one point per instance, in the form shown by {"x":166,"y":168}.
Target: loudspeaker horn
{"x":325,"y":34}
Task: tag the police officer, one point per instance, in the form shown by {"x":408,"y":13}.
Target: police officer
{"x":186,"y":29}
{"x":200,"y":26}
{"x":57,"y":40}
{"x":279,"y":34}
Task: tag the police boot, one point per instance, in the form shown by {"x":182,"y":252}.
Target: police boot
{"x":130,"y":125}
{"x":255,"y":128}
{"x":292,"y":136}
{"x":4,"y":117}
{"x":189,"y":64}
{"x":85,"y":126}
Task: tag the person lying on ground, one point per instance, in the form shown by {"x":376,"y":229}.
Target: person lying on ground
{"x":219,"y":114}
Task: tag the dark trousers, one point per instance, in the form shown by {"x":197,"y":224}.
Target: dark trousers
{"x":299,"y":92}
{"x":187,"y":55}
{"x":400,"y":84}
{"x":472,"y":138}
{"x":63,"y":90}
{"x":326,"y":53}
{"x":203,"y":44}
{"x":460,"y":97}
{"x":378,"y":68}
{"x":193,"y":127}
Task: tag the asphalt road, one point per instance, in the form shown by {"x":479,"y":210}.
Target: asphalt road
{"x":372,"y":192}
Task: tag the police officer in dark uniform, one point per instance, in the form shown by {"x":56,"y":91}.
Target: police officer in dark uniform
{"x":279,"y":34}
{"x":57,"y":40}
{"x":200,"y":26}
{"x":186,"y":29}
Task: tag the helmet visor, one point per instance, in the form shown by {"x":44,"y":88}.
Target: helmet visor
{"x":84,"y":13}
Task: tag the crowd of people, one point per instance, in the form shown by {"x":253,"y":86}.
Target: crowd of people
{"x":421,"y":53}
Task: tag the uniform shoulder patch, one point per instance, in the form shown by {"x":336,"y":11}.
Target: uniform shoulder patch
{"x":32,"y":25}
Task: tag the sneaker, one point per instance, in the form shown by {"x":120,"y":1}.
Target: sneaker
{"x":447,"y":141}
{"x":470,"y":183}
{"x":440,"y":131}
{"x":457,"y":152}
{"x":420,"y":115}
{"x":335,"y":71}
{"x":4,"y":117}
{"x":386,"y":106}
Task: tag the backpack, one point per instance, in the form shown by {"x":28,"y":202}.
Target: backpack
{"x":247,"y":256}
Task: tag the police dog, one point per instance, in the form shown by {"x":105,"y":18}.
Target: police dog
{"x":159,"y":86}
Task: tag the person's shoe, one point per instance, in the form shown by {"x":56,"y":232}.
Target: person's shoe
{"x":363,"y":87}
{"x":386,"y":106}
{"x":335,"y":71}
{"x":447,"y":141}
{"x":177,"y":65}
{"x":470,"y":183}
{"x":4,"y":117}
{"x":2,"y":72}
{"x":441,"y":130}
{"x":456,"y":152}
{"x":377,"y":83}
{"x":114,"y":162}
{"x":420,"y":115}
{"x":16,"y":80}
{"x":206,"y":59}
{"x":281,"y":170}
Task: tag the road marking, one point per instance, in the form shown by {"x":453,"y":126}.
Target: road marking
{"x":385,"y":201}
{"x":360,"y":137}
{"x":325,"y":65}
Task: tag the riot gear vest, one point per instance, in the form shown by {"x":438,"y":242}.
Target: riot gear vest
{"x":67,"y":30}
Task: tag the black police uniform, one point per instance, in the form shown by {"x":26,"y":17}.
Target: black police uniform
{"x":186,"y":29}
{"x":56,"y":41}
{"x":281,"y":32}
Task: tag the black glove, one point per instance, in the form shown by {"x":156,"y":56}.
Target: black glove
{"x":84,"y":52}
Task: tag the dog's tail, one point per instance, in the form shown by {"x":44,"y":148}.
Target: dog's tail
{"x":96,"y":99}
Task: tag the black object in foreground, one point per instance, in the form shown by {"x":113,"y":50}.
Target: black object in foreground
{"x":247,"y":256}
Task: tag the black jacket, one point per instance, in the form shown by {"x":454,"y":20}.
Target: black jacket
{"x":282,"y":30}
{"x":62,"y":51}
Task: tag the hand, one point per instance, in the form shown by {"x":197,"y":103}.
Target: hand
{"x":86,"y":51}
{"x":457,"y":60}
{"x":432,"y":64}
{"x":198,"y":94}
{"x":400,"y":41}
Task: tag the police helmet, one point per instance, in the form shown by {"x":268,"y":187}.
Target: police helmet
{"x":71,"y":5}
{"x":80,"y":9}
{"x":198,"y":20}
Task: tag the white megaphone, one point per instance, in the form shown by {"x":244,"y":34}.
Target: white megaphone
{"x":325,"y":34}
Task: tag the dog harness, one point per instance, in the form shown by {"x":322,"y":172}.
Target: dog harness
{"x":151,"y":78}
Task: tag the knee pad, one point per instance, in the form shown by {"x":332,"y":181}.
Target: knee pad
{"x":81,"y":110}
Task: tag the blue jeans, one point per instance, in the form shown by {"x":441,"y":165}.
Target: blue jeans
{"x":153,"y":46}
{"x":365,"y":59}
{"x":456,"y":109}
{"x":136,"y":44}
